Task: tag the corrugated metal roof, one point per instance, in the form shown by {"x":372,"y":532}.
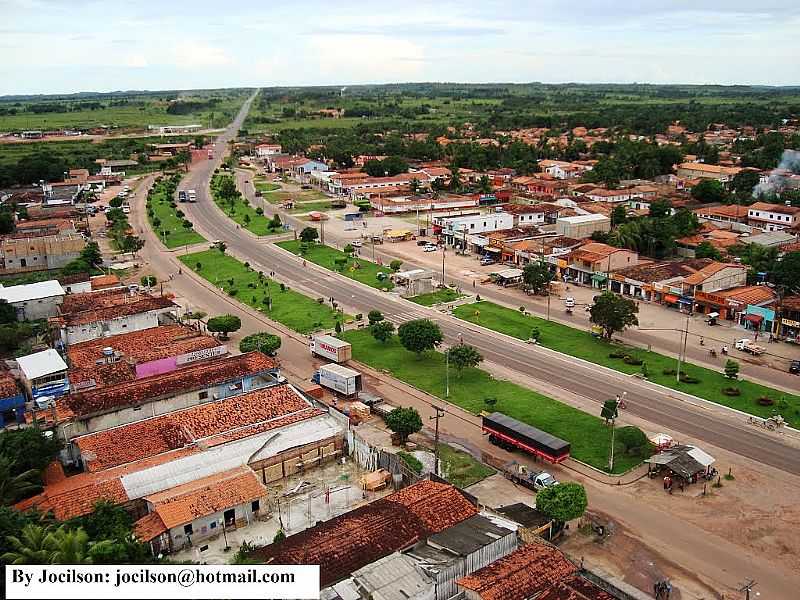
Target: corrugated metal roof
{"x":227,"y":456}
{"x":468,"y":536}
{"x":394,"y":577}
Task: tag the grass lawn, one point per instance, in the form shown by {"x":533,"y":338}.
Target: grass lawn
{"x":582,"y":344}
{"x":304,"y":207}
{"x":437,"y":297}
{"x":242,"y":212}
{"x":264,"y":186}
{"x":325,"y":256}
{"x":306,"y":196}
{"x":160,"y":205}
{"x":460,"y":468}
{"x":293,"y":309}
{"x":589,"y":437}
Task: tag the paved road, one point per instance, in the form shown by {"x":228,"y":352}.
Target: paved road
{"x":644,"y":400}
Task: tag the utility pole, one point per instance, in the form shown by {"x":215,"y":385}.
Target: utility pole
{"x":322,"y":231}
{"x":748,"y":587}
{"x":682,"y":350}
{"x":548,"y":300}
{"x":443,"y":275}
{"x":440,"y":412}
{"x":447,"y":374}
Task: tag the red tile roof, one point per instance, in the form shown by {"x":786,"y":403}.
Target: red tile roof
{"x":357,"y":538}
{"x":147,"y":389}
{"x":139,"y":346}
{"x":522,"y":574}
{"x":8,"y":386}
{"x":575,"y":588}
{"x":185,"y":503}
{"x":266,"y":408}
{"x":139,"y":305}
{"x":148,"y":527}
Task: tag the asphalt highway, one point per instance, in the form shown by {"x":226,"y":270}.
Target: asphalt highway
{"x":655,"y":404}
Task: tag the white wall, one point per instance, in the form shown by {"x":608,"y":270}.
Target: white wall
{"x":202,"y":526}
{"x":93,"y":331}
{"x":38,"y":309}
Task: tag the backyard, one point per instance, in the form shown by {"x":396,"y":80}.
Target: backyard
{"x":354,"y":268}
{"x":279,"y":303}
{"x":438,"y":297}
{"x":166,"y":219}
{"x":233,"y":204}
{"x":589,"y":436}
{"x":460,"y":468}
{"x":702,"y":382}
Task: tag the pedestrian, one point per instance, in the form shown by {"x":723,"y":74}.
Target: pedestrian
{"x":666,"y":481}
{"x":702,"y":341}
{"x":473,"y":283}
{"x":180,"y":271}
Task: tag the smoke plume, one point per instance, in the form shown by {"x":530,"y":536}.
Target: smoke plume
{"x":790,"y":163}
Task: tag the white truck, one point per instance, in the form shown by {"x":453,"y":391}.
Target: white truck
{"x":749,"y":346}
{"x":338,"y":378}
{"x":327,"y":346}
{"x":192,"y":195}
{"x":533,"y":480}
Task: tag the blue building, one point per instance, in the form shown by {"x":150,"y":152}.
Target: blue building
{"x":12,"y":401}
{"x":44,"y":374}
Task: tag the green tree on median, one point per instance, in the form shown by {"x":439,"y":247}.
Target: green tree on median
{"x":309,"y":235}
{"x":382,"y":331}
{"x":613,"y":313}
{"x":536,"y":276}
{"x":267,"y":343}
{"x":463,"y":356}
{"x":419,"y":336}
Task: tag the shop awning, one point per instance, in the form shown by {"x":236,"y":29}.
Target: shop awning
{"x":492,"y":249}
{"x":671,"y":299}
{"x":599,"y":277}
{"x":755,"y":319}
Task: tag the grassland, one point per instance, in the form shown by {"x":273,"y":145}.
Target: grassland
{"x":281,"y":304}
{"x":314,"y":205}
{"x":437,"y":297}
{"x":589,"y":437}
{"x":356,"y":268}
{"x":167,"y":220}
{"x":660,"y":368}
{"x":460,"y":468}
{"x":131,"y":112}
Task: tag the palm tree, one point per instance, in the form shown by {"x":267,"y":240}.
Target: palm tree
{"x":69,"y":547}
{"x":13,"y":487}
{"x":30,"y":548}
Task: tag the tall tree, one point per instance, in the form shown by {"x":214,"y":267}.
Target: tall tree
{"x":562,"y":502}
{"x":536,"y":276}
{"x":613,"y":313}
{"x":404,"y":422}
{"x":419,"y":336}
{"x":309,"y":234}
{"x":462,"y":356}
{"x":15,"y":485}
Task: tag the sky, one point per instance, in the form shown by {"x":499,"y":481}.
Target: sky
{"x":63,"y":46}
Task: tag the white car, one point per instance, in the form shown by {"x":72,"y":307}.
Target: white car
{"x":356,"y":243}
{"x":429,"y":248}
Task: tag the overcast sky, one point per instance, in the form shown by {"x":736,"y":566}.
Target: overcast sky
{"x":59,"y":46}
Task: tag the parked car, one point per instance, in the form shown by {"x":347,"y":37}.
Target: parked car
{"x":794,"y":367}
{"x":487,"y":260}
{"x":356,"y":243}
{"x":423,"y":243}
{"x":430,"y":248}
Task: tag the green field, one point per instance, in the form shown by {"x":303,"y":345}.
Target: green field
{"x":241,"y":211}
{"x":293,"y":309}
{"x":264,"y":186}
{"x":281,"y":197}
{"x":325,"y":256}
{"x":437,"y":297}
{"x":589,"y":436}
{"x":129,"y":112}
{"x":581,"y":344}
{"x":172,"y":227}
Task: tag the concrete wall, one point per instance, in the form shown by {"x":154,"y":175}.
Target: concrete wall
{"x":93,"y":331}
{"x":202,"y":527}
{"x":724,"y":280}
{"x":42,"y":308}
{"x":21,"y":255}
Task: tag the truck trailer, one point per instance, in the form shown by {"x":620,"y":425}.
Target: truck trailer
{"x":509,"y":433}
{"x":338,"y":378}
{"x":327,"y":346}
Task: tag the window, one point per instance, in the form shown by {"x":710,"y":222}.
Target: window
{"x":212,"y":525}
{"x":202,"y":395}
{"x":188,"y":530}
{"x":255,"y":506}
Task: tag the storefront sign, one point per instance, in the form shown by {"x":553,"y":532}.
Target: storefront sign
{"x":204,"y":354}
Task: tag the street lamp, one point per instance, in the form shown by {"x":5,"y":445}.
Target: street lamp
{"x":444,"y":247}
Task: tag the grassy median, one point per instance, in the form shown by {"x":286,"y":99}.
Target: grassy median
{"x":355,"y":268}
{"x":704,"y":383}
{"x":589,"y":436}
{"x":237,"y":279}
{"x":167,"y":219}
{"x":437,"y":297}
{"x":241,"y":211}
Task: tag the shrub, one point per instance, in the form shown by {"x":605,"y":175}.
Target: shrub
{"x":689,"y":378}
{"x":732,"y":391}
{"x":320,"y":300}
{"x":632,"y":360}
{"x":198,"y":266}
{"x":411,"y":461}
{"x":765,"y":401}
{"x":633,"y":440}
{"x":283,"y":287}
{"x":478,"y":298}
{"x":669,"y":371}
{"x":522,"y":309}
{"x":233,"y":291}
{"x":616,"y":354}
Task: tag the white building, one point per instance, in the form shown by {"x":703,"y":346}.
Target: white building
{"x":455,"y":229}
{"x":772,"y":217}
{"x":582,"y":226}
{"x":263,"y":150}
{"x":44,"y":374}
{"x":34,"y":300}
